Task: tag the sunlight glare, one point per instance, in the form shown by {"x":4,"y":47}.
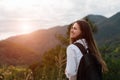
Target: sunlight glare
{"x":25,"y":28}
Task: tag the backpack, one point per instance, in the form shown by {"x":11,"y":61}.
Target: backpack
{"x":89,"y":68}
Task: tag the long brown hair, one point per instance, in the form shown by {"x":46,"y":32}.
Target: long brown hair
{"x":88,"y":36}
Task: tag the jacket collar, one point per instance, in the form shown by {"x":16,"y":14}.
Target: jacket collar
{"x":83,"y":42}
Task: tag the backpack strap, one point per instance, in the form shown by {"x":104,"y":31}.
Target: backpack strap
{"x":81,"y":47}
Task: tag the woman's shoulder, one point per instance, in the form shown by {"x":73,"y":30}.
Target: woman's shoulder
{"x":73,"y":50}
{"x":72,"y":46}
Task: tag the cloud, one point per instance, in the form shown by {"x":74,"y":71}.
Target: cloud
{"x":47,"y":13}
{"x":103,"y":7}
{"x":56,"y":9}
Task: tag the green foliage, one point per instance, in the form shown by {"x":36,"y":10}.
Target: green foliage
{"x":113,"y":66}
{"x":13,"y":72}
{"x":53,"y":65}
{"x":111,"y":54}
{"x":60,"y":62}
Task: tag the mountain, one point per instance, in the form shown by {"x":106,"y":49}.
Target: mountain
{"x":28,"y":48}
{"x":95,"y":19}
{"x":109,"y":29}
{"x":40,"y":40}
{"x":14,"y":54}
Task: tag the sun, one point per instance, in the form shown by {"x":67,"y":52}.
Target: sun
{"x":25,"y":28}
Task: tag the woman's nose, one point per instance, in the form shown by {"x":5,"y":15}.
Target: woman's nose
{"x":71,"y":30}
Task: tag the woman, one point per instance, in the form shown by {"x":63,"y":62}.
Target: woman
{"x":80,"y":32}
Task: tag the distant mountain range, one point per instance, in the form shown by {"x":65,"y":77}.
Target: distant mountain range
{"x":108,"y":29}
{"x":96,"y":19}
{"x":28,"y":48}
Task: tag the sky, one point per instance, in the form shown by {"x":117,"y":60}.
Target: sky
{"x":25,"y":16}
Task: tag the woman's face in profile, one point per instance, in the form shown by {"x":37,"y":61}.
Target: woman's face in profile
{"x":75,"y":31}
